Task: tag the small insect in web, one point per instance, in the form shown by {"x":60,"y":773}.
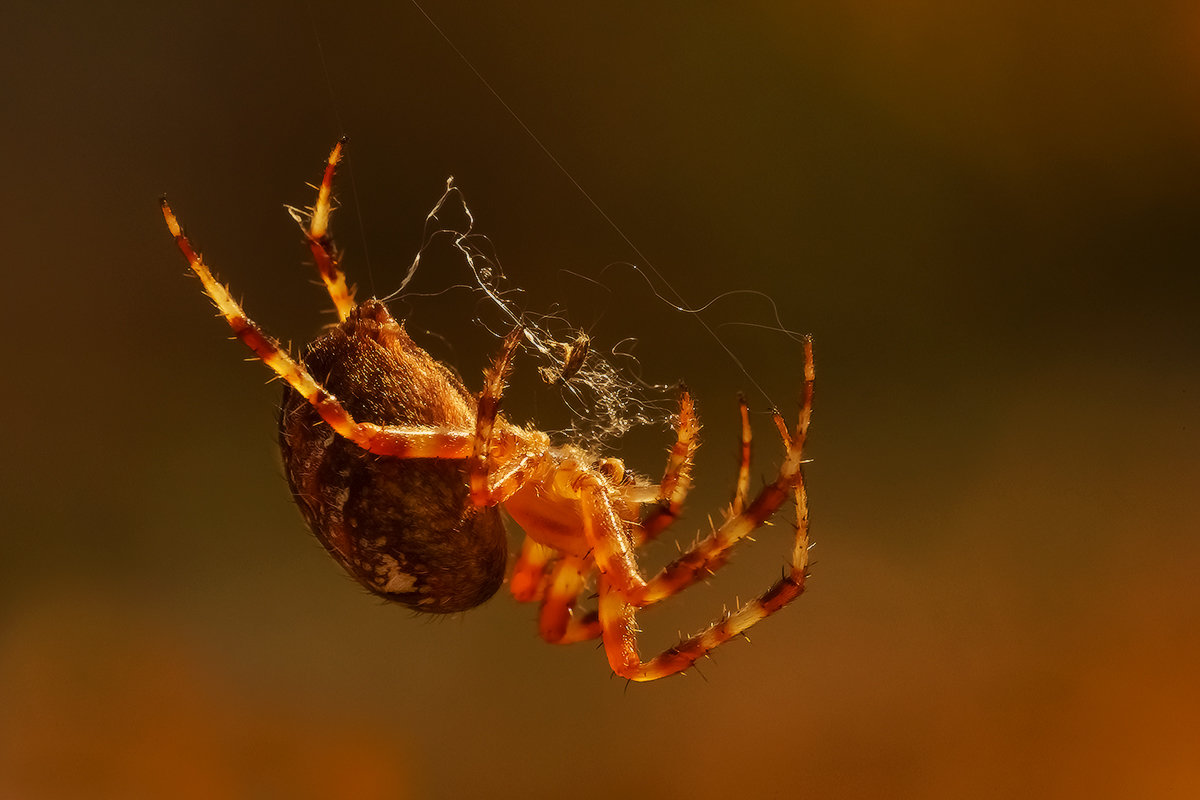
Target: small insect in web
{"x":574,"y":355}
{"x":400,"y":471}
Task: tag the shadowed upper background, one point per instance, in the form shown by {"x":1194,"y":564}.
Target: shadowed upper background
{"x":985,"y":212}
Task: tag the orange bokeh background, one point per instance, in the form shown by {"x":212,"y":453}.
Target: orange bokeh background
{"x":986,"y":213}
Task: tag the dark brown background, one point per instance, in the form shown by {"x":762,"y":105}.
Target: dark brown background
{"x":985,"y":212}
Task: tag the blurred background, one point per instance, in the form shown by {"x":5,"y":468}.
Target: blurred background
{"x":985,"y":213}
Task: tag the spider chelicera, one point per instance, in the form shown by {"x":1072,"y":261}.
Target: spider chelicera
{"x":400,"y":471}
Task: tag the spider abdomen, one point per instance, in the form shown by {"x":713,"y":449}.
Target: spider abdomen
{"x":397,"y":526}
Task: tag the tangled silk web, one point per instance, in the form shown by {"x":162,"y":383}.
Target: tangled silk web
{"x":605,"y":401}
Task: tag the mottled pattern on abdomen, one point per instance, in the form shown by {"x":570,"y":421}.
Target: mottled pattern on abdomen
{"x":403,"y":528}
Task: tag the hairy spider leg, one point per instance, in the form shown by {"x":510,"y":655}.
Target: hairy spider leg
{"x":622,"y":589}
{"x":325,"y":255}
{"x":402,"y":442}
{"x":802,"y":545}
{"x":677,"y":478}
{"x":559,"y":621}
{"x":742,"y":492}
{"x":713,"y":552}
{"x":485,"y":421}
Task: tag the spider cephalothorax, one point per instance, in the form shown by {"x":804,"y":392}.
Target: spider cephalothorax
{"x":400,"y":470}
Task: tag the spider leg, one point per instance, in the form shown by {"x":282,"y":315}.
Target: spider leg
{"x":560,"y":621}
{"x":677,"y":478}
{"x":622,"y":593}
{"x":742,"y":492}
{"x":327,"y":259}
{"x":711,"y":553}
{"x":802,"y":544}
{"x":404,"y":442}
{"x":485,"y":420}
{"x":505,"y":482}
{"x":706,"y":557}
{"x":529,"y":577}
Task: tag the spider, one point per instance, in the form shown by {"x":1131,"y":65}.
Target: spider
{"x":400,"y":471}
